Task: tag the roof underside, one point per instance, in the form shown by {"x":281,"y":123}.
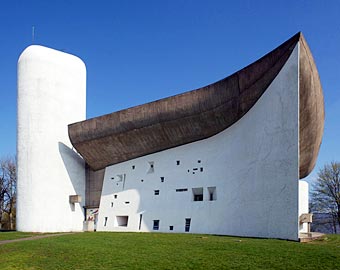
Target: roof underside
{"x":201,"y":113}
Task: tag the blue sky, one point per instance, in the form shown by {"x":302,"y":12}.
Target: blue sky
{"x":140,"y":51}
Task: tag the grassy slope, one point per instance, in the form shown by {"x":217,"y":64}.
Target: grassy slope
{"x":168,"y":251}
{"x":14,"y":235}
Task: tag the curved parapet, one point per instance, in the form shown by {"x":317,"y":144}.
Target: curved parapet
{"x":199,"y":114}
{"x":311,"y":110}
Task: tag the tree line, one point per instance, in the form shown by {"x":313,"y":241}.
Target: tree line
{"x":8,"y":191}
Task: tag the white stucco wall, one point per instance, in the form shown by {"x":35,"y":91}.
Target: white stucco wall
{"x":303,"y":203}
{"x":253,"y":165}
{"x":51,"y":95}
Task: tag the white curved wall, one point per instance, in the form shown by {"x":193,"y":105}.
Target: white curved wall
{"x":253,"y":165}
{"x":51,"y":95}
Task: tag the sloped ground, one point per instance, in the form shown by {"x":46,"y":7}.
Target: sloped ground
{"x":168,"y":251}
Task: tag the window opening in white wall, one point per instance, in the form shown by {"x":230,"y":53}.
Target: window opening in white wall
{"x":181,"y":189}
{"x":122,"y":221}
{"x":201,"y":169}
{"x":187,"y":224}
{"x":140,"y":221}
{"x":111,"y":204}
{"x":197,"y":194}
{"x":156,"y":192}
{"x":105,"y":221}
{"x":133,"y":167}
{"x":162,"y":179}
{"x":155,"y":225}
{"x":121,"y":179}
{"x":115,"y":196}
{"x":142,"y":180}
{"x":171,"y":228}
{"x":178,"y":162}
{"x":199,"y":161}
{"x":212,"y":193}
{"x":127,"y":202}
{"x":152,"y":167}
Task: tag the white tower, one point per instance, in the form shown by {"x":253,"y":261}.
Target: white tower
{"x":51,"y":95}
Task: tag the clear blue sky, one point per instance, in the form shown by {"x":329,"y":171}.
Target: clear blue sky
{"x":140,"y":51}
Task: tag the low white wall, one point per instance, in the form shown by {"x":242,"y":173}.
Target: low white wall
{"x":253,"y":165}
{"x":303,"y":203}
{"x":51,"y":95}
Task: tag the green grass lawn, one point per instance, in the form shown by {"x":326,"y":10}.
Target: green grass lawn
{"x":14,"y":235}
{"x":168,"y":251}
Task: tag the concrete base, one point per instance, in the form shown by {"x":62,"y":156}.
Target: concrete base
{"x":308,"y":237}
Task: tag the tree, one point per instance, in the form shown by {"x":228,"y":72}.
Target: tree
{"x":8,"y":187}
{"x":325,"y":197}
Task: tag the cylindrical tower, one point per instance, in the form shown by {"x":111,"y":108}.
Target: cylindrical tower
{"x":51,"y":95}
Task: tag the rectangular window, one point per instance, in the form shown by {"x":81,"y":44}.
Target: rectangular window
{"x":105,"y":221}
{"x":187,"y":224}
{"x":212,"y":193}
{"x":122,"y":221}
{"x":156,"y":192}
{"x":155,"y":225}
{"x":178,"y":162}
{"x":171,"y":228}
{"x":197,"y":194}
{"x":181,"y":189}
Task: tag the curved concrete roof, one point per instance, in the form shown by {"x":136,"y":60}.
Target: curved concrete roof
{"x":201,"y":113}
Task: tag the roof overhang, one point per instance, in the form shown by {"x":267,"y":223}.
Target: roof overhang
{"x":204,"y":112}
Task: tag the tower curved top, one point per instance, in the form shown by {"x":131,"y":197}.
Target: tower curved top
{"x":38,"y":52}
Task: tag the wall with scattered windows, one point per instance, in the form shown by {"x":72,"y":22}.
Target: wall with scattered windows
{"x":242,"y":181}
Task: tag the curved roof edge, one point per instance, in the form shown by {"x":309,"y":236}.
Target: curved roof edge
{"x":184,"y":118}
{"x":311,"y":110}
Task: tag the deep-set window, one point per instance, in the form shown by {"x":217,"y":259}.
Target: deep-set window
{"x":155,"y":225}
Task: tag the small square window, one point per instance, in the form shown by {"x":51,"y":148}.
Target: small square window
{"x":178,"y":162}
{"x":115,"y":196}
{"x":121,"y":221}
{"x":155,"y":225}
{"x":162,"y":179}
{"x":156,"y":192}
{"x":171,"y":228}
{"x":133,"y":167}
{"x":197,"y":194}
